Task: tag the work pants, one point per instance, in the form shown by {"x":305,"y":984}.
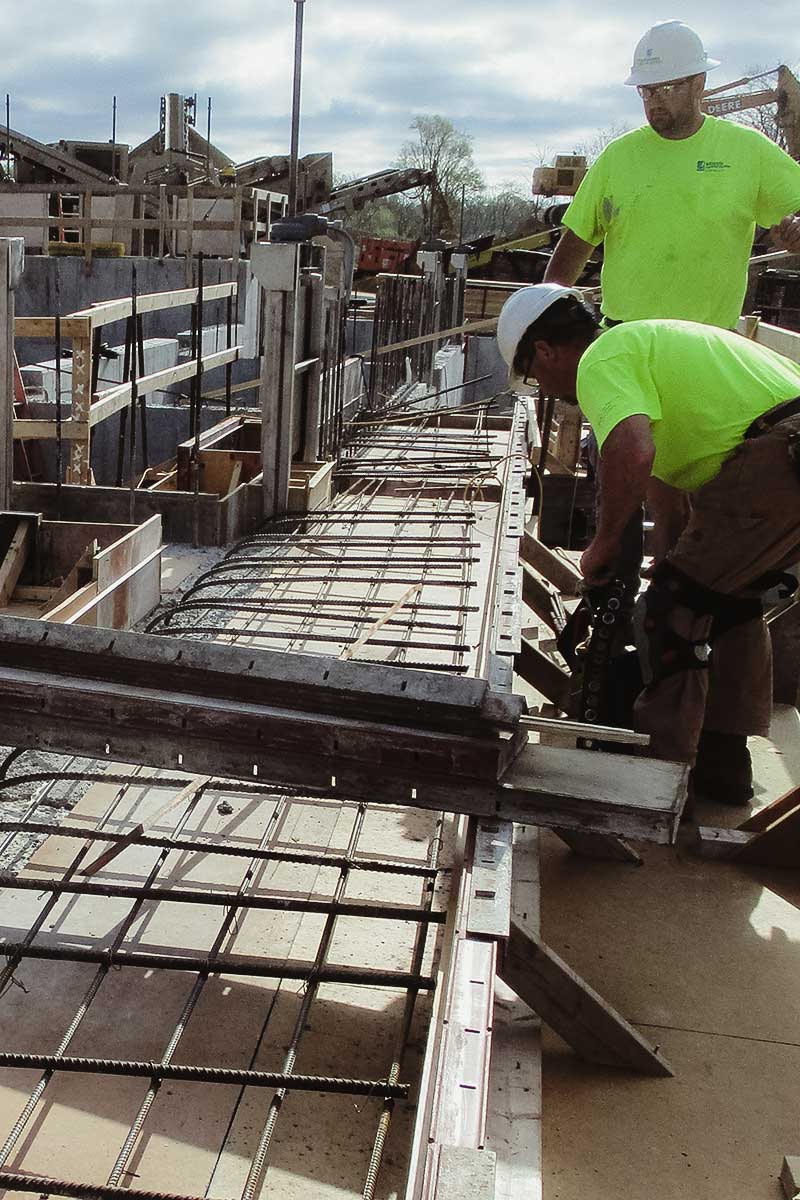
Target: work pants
{"x":743,"y":523}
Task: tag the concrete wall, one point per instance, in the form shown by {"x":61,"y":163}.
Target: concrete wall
{"x":483,"y":358}
{"x":110,"y":279}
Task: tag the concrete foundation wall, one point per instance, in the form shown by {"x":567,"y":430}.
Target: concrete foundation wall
{"x":110,"y":279}
{"x":484,"y":358}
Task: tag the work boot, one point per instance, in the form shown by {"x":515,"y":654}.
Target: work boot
{"x":723,"y":771}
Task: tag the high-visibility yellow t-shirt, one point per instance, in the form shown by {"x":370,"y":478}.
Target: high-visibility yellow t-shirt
{"x":678,"y":218}
{"x":701,"y":388}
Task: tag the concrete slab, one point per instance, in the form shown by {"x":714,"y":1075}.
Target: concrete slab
{"x":703,"y":957}
{"x":719,"y":1129}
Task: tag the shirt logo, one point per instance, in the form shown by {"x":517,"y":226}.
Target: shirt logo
{"x":704,"y":165}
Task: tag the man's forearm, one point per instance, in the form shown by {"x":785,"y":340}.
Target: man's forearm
{"x":568,"y":259}
{"x":625,"y":467}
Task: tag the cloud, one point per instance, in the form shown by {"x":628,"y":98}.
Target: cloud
{"x":517,"y":77}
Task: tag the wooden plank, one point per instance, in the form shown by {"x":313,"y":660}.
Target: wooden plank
{"x":442,"y":336}
{"x":767,"y":816}
{"x":75,"y":602}
{"x":82,"y":566}
{"x":790,"y":1178}
{"x":720,"y":844}
{"x":45,"y":327}
{"x":127,"y":551}
{"x":80,"y":449}
{"x":543,"y":598}
{"x":122,"y":603}
{"x":116,"y":848}
{"x":15,"y":558}
{"x":551,"y":564}
{"x":785,"y":341}
{"x":70,"y":430}
{"x":595,"y":1030}
{"x":114,"y":399}
{"x":117,"y":310}
{"x":599,"y":846}
{"x":777,"y":846}
{"x":539,"y":670}
{"x":580,"y":729}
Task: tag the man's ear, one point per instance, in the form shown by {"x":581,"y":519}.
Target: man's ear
{"x":544,"y":351}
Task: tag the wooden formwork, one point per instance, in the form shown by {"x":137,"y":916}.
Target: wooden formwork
{"x":89,"y":407}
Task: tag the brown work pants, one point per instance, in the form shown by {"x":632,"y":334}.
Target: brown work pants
{"x":744,"y":522}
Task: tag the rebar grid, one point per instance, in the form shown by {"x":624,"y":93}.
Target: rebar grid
{"x":317,"y":973}
{"x":451,"y":525}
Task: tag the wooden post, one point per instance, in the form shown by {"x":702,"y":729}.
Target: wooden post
{"x":12,"y":260}
{"x":80,"y":448}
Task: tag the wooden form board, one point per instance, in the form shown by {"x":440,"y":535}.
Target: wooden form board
{"x":221,"y":520}
{"x":88,"y":410}
{"x":784,"y":341}
{"x":126,"y":582}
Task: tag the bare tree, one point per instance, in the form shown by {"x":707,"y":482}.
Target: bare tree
{"x":763,"y":117}
{"x":593,"y":147}
{"x":447,"y":153}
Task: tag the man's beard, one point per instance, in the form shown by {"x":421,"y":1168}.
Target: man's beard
{"x":662,"y":121}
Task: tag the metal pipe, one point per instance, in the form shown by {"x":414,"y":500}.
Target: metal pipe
{"x":295,"y":139}
{"x":134,"y":381}
{"x":198,"y":380}
{"x":114,"y":137}
{"x":59,"y":430}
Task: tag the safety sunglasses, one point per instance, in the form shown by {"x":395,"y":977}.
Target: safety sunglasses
{"x":649,"y":91}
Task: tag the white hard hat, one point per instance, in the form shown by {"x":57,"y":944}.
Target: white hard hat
{"x":522,"y":309}
{"x":670,"y":50}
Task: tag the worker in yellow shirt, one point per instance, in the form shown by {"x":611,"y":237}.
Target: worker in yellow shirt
{"x":717,"y":417}
{"x":676,"y":202}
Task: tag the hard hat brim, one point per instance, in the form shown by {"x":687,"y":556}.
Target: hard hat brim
{"x":638,"y":79}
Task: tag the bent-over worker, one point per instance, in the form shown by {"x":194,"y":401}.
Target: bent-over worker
{"x":718,"y":417}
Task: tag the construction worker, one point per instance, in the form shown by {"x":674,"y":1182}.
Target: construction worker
{"x":676,"y":202}
{"x":715,"y":416}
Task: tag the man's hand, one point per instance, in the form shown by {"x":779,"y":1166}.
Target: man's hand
{"x":786,"y":235}
{"x":597,"y":562}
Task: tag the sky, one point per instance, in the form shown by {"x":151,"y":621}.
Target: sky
{"x":526,"y":80}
